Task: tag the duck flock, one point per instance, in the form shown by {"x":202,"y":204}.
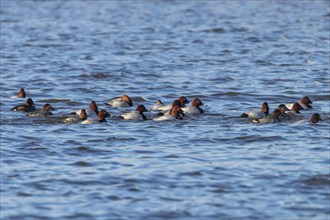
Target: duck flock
{"x":179,"y":109}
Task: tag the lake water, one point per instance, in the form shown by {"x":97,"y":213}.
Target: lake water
{"x":233,"y":55}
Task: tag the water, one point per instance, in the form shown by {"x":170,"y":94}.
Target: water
{"x":233,"y":55}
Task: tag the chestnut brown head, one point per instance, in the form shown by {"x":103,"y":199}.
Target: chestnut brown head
{"x":183,"y":100}
{"x":127,"y":99}
{"x":102,"y":115}
{"x":197,"y":102}
{"x":47,"y":108}
{"x":265,"y":108}
{"x":83,"y":114}
{"x":177,"y":112}
{"x":141,"y":108}
{"x":21,"y":93}
{"x":282,"y":108}
{"x":105,"y":113}
{"x":306,"y":100}
{"x":296,"y":107}
{"x":29,"y":102}
{"x":93,"y":106}
{"x":316,"y":118}
{"x":177,"y":103}
{"x":276,"y":113}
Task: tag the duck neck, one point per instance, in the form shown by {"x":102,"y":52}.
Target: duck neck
{"x":102,"y":120}
{"x":200,"y":109}
{"x":143,"y":116}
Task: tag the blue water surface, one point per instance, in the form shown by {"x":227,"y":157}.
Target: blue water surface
{"x":233,"y":55}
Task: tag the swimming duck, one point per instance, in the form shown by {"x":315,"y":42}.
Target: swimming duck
{"x":44,"y":111}
{"x":159,"y":104}
{"x":175,"y":113}
{"x":305,"y":103}
{"x":316,"y":118}
{"x":168,"y":113}
{"x":27,"y":107}
{"x":257,"y":114}
{"x":274,"y":117}
{"x":92,"y":111}
{"x":181,"y":101}
{"x":77,"y":118}
{"x":283,"y":108}
{"x":195,"y":107}
{"x":100,"y":118}
{"x":136,"y":115}
{"x":293,"y":113}
{"x":122,"y":102}
{"x":21,"y":93}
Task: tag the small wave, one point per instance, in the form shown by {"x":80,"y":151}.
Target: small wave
{"x":119,"y":139}
{"x":97,"y":75}
{"x":254,"y":39}
{"x":9,"y":21}
{"x":259,"y":138}
{"x":318,"y":180}
{"x":227,"y":94}
{"x":54,"y":100}
{"x":86,"y":149}
{"x":113,"y":198}
{"x":171,"y":156}
{"x":50,"y":45}
{"x":263,"y":63}
{"x":81,"y":164}
{"x":169,"y":214}
{"x":23,"y":194}
{"x":144,"y":152}
{"x":215,"y":30}
{"x":80,"y":216}
{"x":239,"y":29}
{"x":193,"y":173}
{"x":170,"y":199}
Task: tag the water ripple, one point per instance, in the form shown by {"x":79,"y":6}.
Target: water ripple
{"x":233,"y":56}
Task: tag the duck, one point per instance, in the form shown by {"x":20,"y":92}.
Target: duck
{"x":294,"y":113}
{"x":122,"y":102}
{"x":168,"y":112}
{"x":100,"y":118}
{"x":135,"y":115}
{"x":296,"y":108}
{"x":181,"y":101}
{"x":273,"y":118}
{"x":305,"y":102}
{"x":92,"y":111}
{"x":175,"y":113}
{"x":44,"y":111}
{"x":159,"y":104}
{"x":21,"y":93}
{"x":76,"y":118}
{"x":316,"y":118}
{"x":283,"y":108}
{"x":195,"y":107}
{"x":258,"y":114}
{"x":27,"y":107}
{"x":176,"y":102}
